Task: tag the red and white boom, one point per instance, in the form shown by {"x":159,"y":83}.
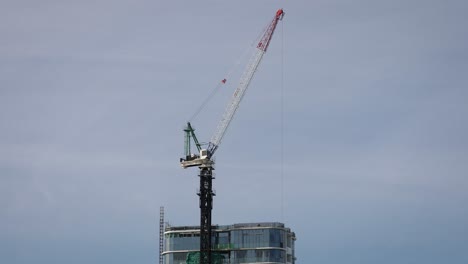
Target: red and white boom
{"x":246,"y":77}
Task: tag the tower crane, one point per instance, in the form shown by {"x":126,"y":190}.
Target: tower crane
{"x":204,"y":158}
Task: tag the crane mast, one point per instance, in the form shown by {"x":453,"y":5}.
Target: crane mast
{"x":204,"y":160}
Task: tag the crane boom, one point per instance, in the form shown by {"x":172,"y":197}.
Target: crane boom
{"x":243,"y":84}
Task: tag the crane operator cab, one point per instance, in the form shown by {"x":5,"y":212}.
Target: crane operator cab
{"x":203,"y":154}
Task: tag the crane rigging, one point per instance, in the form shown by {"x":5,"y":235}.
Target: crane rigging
{"x":204,"y":158}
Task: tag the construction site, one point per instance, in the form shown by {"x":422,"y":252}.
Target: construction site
{"x":234,"y":132}
{"x":263,"y":242}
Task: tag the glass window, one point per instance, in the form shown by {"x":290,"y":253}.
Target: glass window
{"x":176,"y":258}
{"x":258,"y":255}
{"x":222,"y":240}
{"x":183,"y":242}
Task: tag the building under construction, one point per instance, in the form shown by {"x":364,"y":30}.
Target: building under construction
{"x":238,"y":243}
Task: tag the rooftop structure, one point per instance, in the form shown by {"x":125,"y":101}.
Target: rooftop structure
{"x":270,"y":243}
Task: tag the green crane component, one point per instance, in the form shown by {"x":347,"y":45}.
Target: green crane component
{"x":194,"y":258}
{"x":189,"y":134}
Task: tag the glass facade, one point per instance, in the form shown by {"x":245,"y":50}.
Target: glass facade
{"x":238,"y":243}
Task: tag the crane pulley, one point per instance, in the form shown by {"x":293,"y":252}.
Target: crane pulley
{"x":205,"y":155}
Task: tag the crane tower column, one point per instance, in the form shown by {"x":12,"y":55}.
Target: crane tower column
{"x":206,"y":205}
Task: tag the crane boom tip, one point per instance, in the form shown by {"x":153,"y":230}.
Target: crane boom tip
{"x":279,"y":13}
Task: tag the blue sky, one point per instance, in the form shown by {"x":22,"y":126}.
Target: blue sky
{"x":94,"y":96}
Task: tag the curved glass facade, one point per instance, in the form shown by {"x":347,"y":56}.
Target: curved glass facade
{"x":253,"y":238}
{"x":239,"y":243}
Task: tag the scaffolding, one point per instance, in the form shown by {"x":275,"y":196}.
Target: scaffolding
{"x":161,"y":234}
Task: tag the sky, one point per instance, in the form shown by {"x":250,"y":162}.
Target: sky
{"x":352,"y":133}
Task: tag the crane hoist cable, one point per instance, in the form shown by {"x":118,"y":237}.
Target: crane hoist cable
{"x":205,"y":102}
{"x":234,"y":68}
{"x":282,"y":122}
